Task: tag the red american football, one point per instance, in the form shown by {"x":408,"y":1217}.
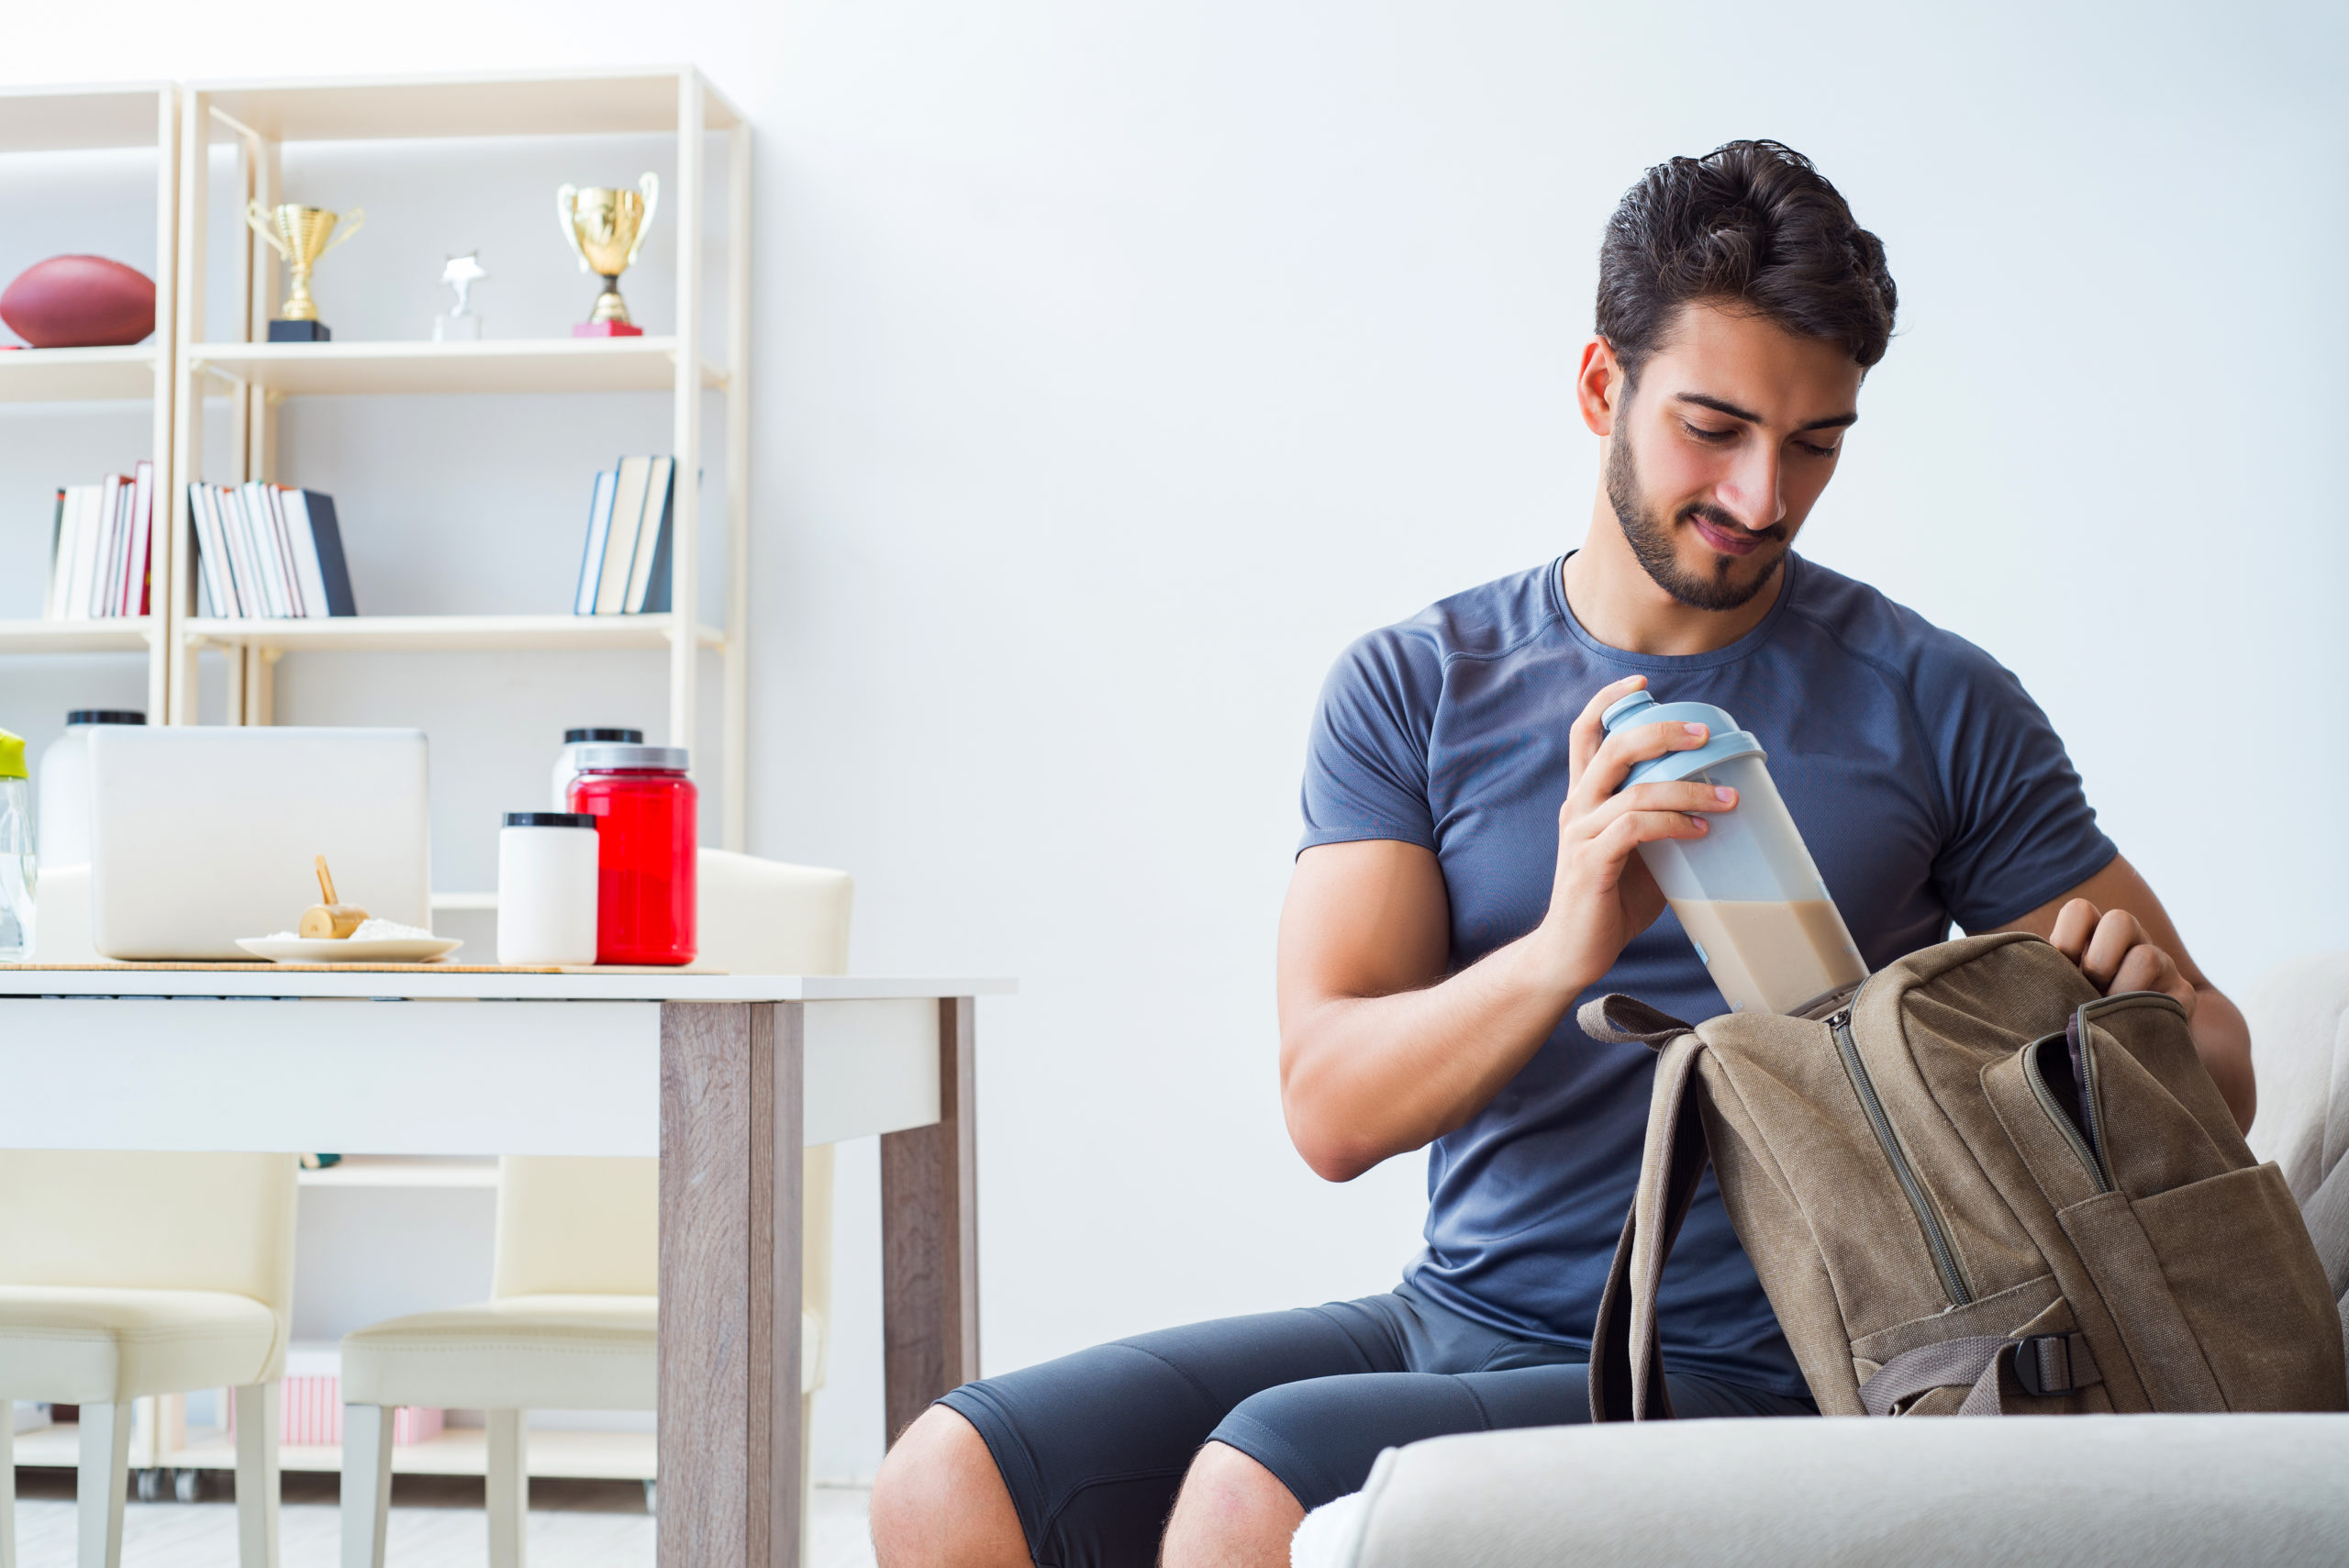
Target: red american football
{"x":79,"y":301}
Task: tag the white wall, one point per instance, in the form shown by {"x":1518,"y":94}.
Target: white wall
{"x":1116,"y":363}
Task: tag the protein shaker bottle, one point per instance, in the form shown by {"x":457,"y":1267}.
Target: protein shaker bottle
{"x":65,"y":786}
{"x":1746,"y":893}
{"x":16,"y":861}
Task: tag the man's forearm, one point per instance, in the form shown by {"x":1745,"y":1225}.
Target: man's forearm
{"x":2223,"y":1039}
{"x":1367,"y":1078}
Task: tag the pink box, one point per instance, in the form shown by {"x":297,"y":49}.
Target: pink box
{"x":310,"y":1413}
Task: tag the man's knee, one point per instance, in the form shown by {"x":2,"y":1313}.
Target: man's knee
{"x":1231,"y":1509}
{"x":940,"y":1499}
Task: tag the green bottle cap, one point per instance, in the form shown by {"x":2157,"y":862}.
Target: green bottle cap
{"x":12,"y":756}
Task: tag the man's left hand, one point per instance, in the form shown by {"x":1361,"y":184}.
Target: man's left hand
{"x":2117,"y":954}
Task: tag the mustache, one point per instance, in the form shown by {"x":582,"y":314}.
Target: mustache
{"x":1776,"y":533}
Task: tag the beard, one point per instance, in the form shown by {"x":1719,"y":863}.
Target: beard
{"x":1650,"y":537}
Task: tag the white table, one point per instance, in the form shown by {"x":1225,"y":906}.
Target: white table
{"x":724,"y":1077}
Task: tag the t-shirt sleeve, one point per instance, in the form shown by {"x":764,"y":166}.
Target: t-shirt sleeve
{"x":2020,"y":831}
{"x":1366,"y":759}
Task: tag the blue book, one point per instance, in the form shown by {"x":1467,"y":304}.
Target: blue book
{"x":599,"y":527}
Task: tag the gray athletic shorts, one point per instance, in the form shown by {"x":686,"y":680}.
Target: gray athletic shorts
{"x":1093,"y":1446}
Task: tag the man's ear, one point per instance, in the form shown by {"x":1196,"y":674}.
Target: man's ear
{"x":1600,"y":388}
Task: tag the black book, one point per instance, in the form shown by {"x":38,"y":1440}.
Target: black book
{"x":317,"y":507}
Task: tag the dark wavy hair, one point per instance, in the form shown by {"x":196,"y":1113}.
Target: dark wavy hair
{"x":1751,"y":225}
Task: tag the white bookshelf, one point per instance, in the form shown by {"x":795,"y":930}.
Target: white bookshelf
{"x":36,"y":120}
{"x":457,"y":1450}
{"x":228,"y":356}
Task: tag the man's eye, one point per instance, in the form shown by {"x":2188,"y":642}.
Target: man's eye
{"x":1815,"y":449}
{"x":1704,"y":435}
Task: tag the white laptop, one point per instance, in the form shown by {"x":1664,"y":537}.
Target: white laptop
{"x":201,"y":835}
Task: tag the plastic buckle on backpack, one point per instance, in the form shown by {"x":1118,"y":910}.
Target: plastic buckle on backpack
{"x":2037,"y":1362}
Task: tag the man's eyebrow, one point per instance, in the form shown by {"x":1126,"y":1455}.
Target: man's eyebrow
{"x":1720,"y":405}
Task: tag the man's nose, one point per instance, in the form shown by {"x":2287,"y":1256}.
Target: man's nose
{"x":1751,"y":493}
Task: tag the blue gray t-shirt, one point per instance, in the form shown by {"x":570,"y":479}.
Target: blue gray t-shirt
{"x":1928,"y":785}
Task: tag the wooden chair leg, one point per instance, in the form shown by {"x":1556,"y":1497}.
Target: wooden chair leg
{"x":8,"y":1484}
{"x":257,"y":1428}
{"x":366,"y":1483}
{"x":104,"y":1471}
{"x":509,"y":1488}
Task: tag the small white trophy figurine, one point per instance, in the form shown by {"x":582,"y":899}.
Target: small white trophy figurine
{"x":461,"y":324}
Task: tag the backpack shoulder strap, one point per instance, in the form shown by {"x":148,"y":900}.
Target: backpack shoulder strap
{"x":1626,"y":1374}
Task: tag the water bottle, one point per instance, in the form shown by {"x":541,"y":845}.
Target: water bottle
{"x":17,"y":875}
{"x":1747,"y":893}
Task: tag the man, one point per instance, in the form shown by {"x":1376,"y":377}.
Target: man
{"x":1448,"y":913}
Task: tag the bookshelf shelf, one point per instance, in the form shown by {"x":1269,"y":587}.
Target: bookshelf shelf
{"x":78,"y":376}
{"x":122,"y":634}
{"x":458,"y":1451}
{"x":555,"y":365}
{"x":446,"y":633}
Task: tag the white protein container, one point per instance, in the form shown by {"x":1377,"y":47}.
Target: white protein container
{"x":63,"y":803}
{"x":566,"y":761}
{"x":1747,"y":893}
{"x":546,"y":888}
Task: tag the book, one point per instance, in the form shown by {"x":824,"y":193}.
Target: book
{"x":316,"y":534}
{"x":138,"y":578}
{"x":268,"y":549}
{"x":89,"y":539}
{"x":211,"y":553}
{"x":648,"y":577}
{"x":244,"y":561}
{"x":112,"y":524}
{"x":599,"y":527}
{"x":289,"y":558}
{"x":619,"y":544}
{"x":52,"y":603}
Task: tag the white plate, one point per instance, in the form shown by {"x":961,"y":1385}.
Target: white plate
{"x":350,"y":950}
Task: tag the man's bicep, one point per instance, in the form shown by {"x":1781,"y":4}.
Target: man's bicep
{"x":1363,"y":918}
{"x":2117,"y":886}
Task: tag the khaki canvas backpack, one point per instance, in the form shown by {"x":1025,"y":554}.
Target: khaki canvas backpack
{"x":1976,"y":1187}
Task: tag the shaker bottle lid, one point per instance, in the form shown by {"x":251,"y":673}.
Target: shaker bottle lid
{"x":624,"y":737}
{"x":104,"y":715}
{"x":12,"y":756}
{"x":550,"y":820}
{"x":603,"y":758}
{"x":1727,"y":740}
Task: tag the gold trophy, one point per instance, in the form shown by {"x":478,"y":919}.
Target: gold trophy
{"x":606,"y":227}
{"x":299,"y":236}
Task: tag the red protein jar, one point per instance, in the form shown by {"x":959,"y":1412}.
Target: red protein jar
{"x":645,"y":808}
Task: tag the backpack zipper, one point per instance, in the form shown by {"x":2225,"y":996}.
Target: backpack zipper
{"x":1936,"y":1238}
{"x":2046,"y":1098}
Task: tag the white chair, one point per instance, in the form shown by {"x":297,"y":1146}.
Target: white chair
{"x":569,"y":1322}
{"x":124,"y":1276}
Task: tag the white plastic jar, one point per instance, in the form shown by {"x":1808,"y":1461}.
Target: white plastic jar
{"x":546,"y":887}
{"x":64,"y":800}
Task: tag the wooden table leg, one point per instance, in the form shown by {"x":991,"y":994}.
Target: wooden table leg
{"x":930,"y":1236}
{"x":731,"y":1129}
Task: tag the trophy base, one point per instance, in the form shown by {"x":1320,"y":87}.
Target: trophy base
{"x":300,"y":332}
{"x":604,"y":329}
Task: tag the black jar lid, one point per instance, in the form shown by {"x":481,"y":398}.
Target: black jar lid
{"x":104,"y":715}
{"x":550,"y":820}
{"x":619,"y":737}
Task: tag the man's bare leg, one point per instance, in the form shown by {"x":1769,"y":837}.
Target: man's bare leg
{"x":1232,"y":1513}
{"x":939,"y":1502}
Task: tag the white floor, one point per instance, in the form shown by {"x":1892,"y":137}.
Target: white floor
{"x":591,"y":1526}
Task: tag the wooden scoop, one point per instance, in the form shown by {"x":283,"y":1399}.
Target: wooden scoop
{"x":329,"y":918}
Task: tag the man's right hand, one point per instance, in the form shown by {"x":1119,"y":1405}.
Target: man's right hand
{"x":1381,"y":1049}
{"x":1602,"y":895}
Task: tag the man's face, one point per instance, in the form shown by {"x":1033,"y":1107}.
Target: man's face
{"x":1715,"y":460}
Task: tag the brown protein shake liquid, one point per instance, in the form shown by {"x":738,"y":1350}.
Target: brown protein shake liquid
{"x":1772,"y":957}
